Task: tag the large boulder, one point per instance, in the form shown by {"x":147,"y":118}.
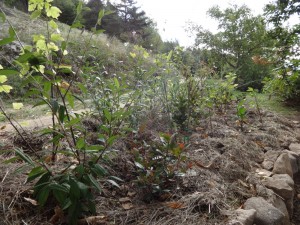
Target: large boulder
{"x":283,"y":165}
{"x":266,"y":213}
{"x":295,"y":160}
{"x":241,"y":217}
{"x":270,"y":158}
{"x":295,"y":147}
{"x":276,"y":201}
{"x":282,"y":185}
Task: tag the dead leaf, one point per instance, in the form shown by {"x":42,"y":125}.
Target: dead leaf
{"x":125,"y":199}
{"x":165,"y":196}
{"x":189,"y":165}
{"x":127,"y":206}
{"x":243,"y":183}
{"x":58,"y":215}
{"x":64,"y":85}
{"x":32,"y":201}
{"x":260,"y":144}
{"x":48,"y":159}
{"x":93,"y":220}
{"x":204,"y":136}
{"x":199,"y":128}
{"x":131,"y":193}
{"x":175,"y":205}
{"x":3,"y":127}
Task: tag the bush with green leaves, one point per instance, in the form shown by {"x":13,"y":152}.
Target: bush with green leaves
{"x":159,"y":165}
{"x":41,"y":66}
{"x":185,"y":92}
{"x":241,"y":112}
{"x":221,"y":92}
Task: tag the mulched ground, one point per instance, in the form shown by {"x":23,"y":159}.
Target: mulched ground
{"x":220,"y":155}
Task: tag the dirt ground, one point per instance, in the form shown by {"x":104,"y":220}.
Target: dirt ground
{"x":221,"y":158}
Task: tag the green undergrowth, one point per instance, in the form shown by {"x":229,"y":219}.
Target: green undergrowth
{"x":277,"y":105}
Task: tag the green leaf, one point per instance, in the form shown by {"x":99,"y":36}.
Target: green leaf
{"x":84,"y":189}
{"x":79,"y":169}
{"x":54,"y":106}
{"x":99,"y":170}
{"x":43,"y":195}
{"x":94,"y":182}
{"x":53,"y":12}
{"x":117,"y":84}
{"x":76,"y":24}
{"x":11,"y":32}
{"x":5,"y":41}
{"x":79,"y":8}
{"x":11,"y":160}
{"x":35,"y":14}
{"x":56,"y":37}
{"x":23,"y":58}
{"x":26,"y":158}
{"x":3,"y":79}
{"x":52,"y":24}
{"x":111,"y":139}
{"x":100,"y":16}
{"x":43,"y":102}
{"x":17,"y":105}
{"x":70,"y":99}
{"x":61,"y":113}
{"x":67,"y":203}
{"x":74,"y":189}
{"x":58,"y":187}
{"x":73,"y":122}
{"x":44,"y":180}
{"x":9,"y":72}
{"x":35,"y":172}
{"x":170,"y":55}
{"x":2,"y":16}
{"x":60,"y":196}
{"x":107,"y":115}
{"x":80,"y":143}
{"x":63,"y":45}
{"x":82,"y":88}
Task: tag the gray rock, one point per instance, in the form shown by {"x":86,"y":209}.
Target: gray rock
{"x":266,"y":213}
{"x":276,"y":201}
{"x":270,"y":158}
{"x":281,"y":184}
{"x":283,"y":165}
{"x":240,"y":216}
{"x":295,"y":147}
{"x":294,"y":160}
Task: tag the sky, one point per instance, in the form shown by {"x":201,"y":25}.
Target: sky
{"x":172,"y":16}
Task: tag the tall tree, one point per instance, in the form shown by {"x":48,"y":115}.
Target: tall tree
{"x":19,"y":4}
{"x":286,"y":80}
{"x":134,"y":20}
{"x":68,"y":9}
{"x":112,"y":23}
{"x":240,"y":37}
{"x":90,"y":16}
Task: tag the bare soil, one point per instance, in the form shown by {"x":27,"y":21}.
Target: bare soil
{"x":221,"y":158}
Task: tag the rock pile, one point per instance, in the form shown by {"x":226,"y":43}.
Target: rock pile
{"x":273,"y":204}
